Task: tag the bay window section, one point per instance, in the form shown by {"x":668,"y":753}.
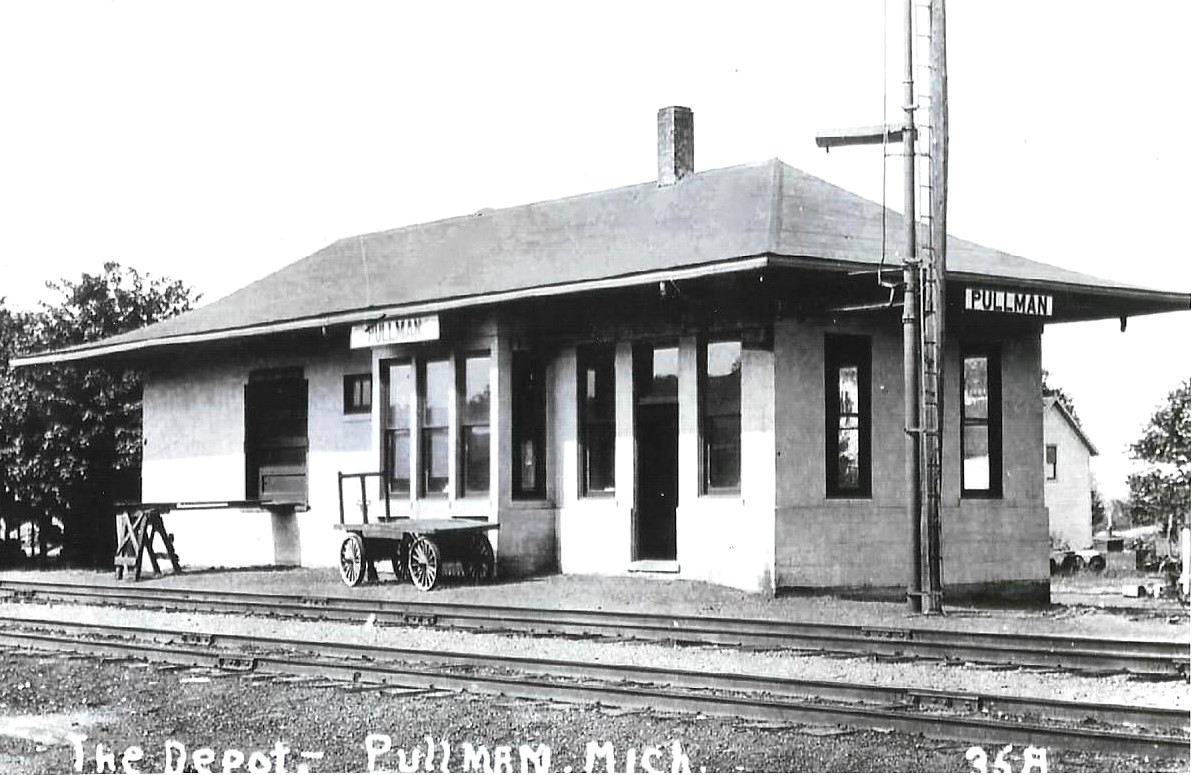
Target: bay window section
{"x":399,"y":391}
{"x":720,"y":415}
{"x":848,"y":427}
{"x":597,"y":420}
{"x":435,"y":393}
{"x":474,"y":424}
{"x":980,"y":422}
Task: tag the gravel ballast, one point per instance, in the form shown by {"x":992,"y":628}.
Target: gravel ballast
{"x":1118,"y":689}
{"x":120,"y":704}
{"x":1155,"y":620}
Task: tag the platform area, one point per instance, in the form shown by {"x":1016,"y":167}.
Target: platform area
{"x":1084,"y":614}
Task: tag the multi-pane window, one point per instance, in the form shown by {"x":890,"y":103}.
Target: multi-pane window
{"x":847,"y":433}
{"x":435,"y":400}
{"x":357,"y":393}
{"x":476,"y":398}
{"x":529,"y":426}
{"x":720,"y":415}
{"x":981,"y":422}
{"x":1049,"y":461}
{"x":597,"y":420}
{"x":399,"y":401}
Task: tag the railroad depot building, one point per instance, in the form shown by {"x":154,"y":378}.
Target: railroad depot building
{"x":670,"y":377}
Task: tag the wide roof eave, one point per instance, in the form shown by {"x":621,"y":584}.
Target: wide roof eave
{"x":1152,"y":301}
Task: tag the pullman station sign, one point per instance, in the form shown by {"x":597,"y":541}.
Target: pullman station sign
{"x":1012,"y":302}
{"x":396,"y":331}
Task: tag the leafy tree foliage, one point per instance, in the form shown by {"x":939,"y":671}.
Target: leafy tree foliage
{"x":1097,"y":512}
{"x":70,"y":434}
{"x":1159,"y":493}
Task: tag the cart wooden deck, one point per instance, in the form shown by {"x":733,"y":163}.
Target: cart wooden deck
{"x":416,"y":548}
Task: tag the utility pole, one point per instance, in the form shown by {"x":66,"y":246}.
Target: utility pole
{"x":934,"y":308}
{"x":910,"y":328}
{"x":922,"y":313}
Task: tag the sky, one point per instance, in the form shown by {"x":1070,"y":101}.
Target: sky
{"x":215,"y":142}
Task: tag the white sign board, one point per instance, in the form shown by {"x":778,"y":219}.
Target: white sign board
{"x":1013,"y":302}
{"x":396,"y":331}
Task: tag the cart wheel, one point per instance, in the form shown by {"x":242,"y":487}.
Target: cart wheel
{"x":479,"y":563}
{"x":398,"y":557}
{"x":424,"y":563}
{"x":351,"y":560}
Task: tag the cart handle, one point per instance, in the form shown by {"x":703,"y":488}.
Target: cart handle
{"x":363,"y":477}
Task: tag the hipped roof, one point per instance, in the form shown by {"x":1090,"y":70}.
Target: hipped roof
{"x":752,"y":216}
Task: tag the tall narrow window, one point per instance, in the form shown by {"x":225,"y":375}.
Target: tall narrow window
{"x":1049,"y":461}
{"x":981,"y":422}
{"x":720,"y":415}
{"x":597,"y":420}
{"x":847,"y":433}
{"x":529,"y":426}
{"x":435,"y":394}
{"x":399,"y":391}
{"x":474,"y":424}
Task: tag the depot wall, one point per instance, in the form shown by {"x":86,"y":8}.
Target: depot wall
{"x":991,"y":546}
{"x":779,"y":532}
{"x":194,"y":451}
{"x":722,"y":538}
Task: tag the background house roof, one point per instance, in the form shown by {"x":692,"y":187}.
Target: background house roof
{"x":748,"y":216}
{"x":1050,"y":402}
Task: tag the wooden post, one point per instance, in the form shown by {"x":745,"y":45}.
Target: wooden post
{"x":939,"y":244}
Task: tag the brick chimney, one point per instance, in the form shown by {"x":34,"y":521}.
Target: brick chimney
{"x":676,"y":144}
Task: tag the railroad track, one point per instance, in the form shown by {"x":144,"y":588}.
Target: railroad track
{"x":971,"y":718}
{"x":1145,"y":657}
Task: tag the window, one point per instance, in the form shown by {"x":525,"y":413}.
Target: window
{"x":847,"y":432}
{"x":981,"y":422}
{"x":435,"y":398}
{"x":720,"y":415}
{"x":357,"y":393}
{"x":1049,"y":461}
{"x":597,"y":420}
{"x":656,"y":374}
{"x":529,"y":426}
{"x":474,"y":424}
{"x":399,"y":401}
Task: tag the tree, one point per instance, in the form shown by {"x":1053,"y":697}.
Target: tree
{"x":70,"y":434}
{"x":1159,"y":493}
{"x":1097,"y":510}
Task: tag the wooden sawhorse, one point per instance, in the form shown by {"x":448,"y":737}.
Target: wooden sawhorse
{"x":135,"y":531}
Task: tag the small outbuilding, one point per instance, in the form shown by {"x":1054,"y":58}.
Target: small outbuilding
{"x":1067,"y":476}
{"x":698,"y":376}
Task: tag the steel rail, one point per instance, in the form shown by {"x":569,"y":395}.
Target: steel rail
{"x":1069,"y":652}
{"x":360,"y":664}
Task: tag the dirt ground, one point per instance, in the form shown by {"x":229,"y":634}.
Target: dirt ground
{"x":129,"y":707}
